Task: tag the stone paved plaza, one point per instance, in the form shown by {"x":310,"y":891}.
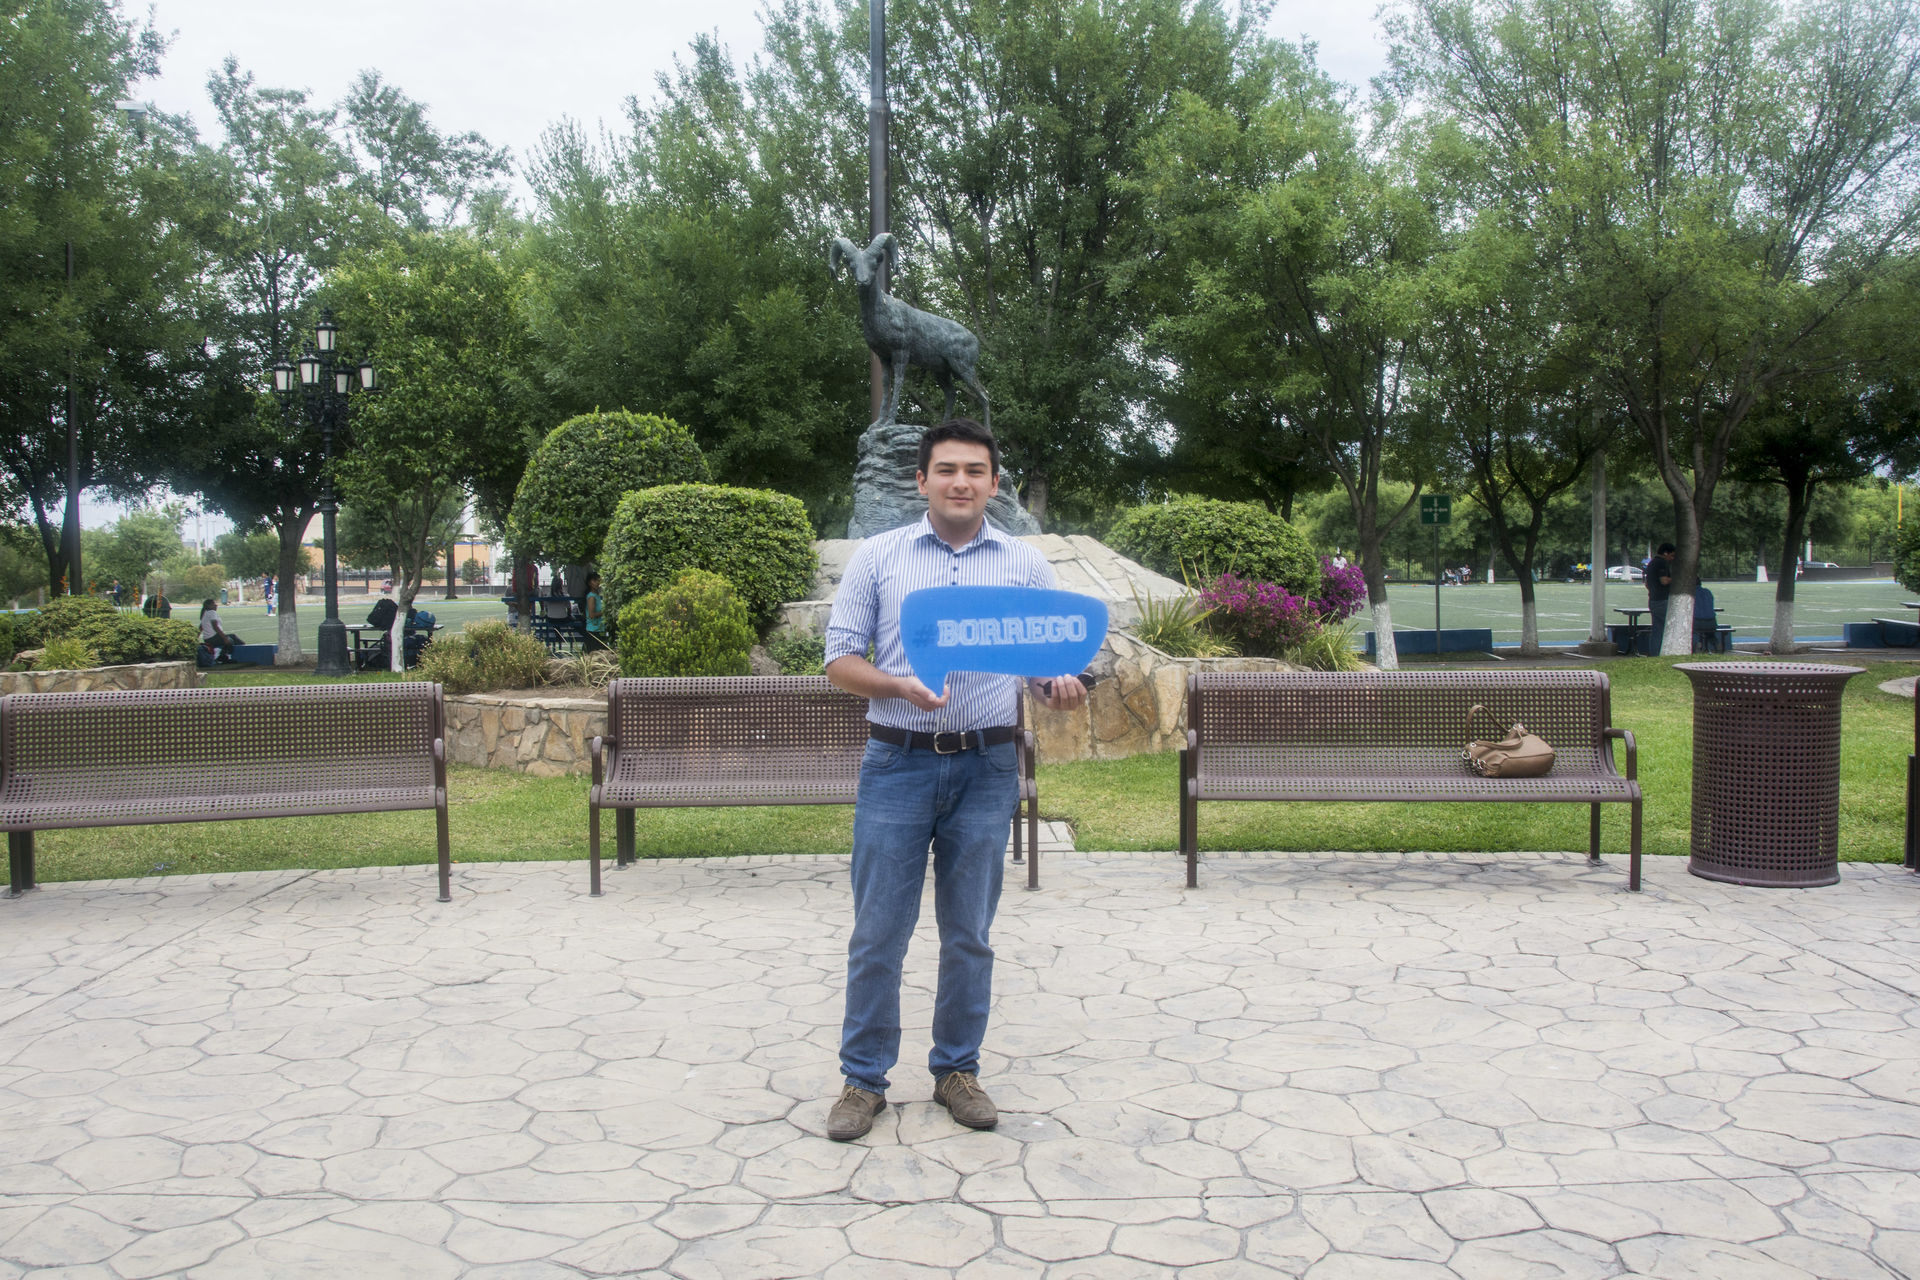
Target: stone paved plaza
{"x":1363,"y":1066}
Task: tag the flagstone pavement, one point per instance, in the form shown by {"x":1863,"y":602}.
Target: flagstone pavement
{"x":1332,"y":1066}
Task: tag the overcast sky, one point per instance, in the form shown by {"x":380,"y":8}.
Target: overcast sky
{"x":508,"y":69}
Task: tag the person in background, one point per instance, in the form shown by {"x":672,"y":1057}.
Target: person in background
{"x":115,"y":593}
{"x":594,"y":615}
{"x":212,"y":636}
{"x":266,"y":590}
{"x":1659,"y":571}
{"x":156,"y":605}
{"x":1706,"y":622}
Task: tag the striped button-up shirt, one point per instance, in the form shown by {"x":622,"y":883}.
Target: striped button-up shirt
{"x":866,"y":610}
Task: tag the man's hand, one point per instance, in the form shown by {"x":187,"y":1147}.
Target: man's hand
{"x":1062,"y":693}
{"x":910,"y":688}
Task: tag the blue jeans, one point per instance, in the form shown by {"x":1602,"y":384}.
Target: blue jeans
{"x":961,"y":806}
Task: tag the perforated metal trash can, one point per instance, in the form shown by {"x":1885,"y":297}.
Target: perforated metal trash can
{"x":1766,"y":772}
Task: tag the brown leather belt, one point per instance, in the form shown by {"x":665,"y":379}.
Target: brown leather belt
{"x":945,"y":744}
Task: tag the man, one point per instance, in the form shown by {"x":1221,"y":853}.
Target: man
{"x":940,"y":770}
{"x":156,"y":605}
{"x":1659,"y":571}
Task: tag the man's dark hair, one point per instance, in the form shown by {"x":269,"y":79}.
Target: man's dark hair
{"x":959,"y":429}
{"x":1666,"y":549}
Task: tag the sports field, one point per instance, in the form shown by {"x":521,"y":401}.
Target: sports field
{"x":1819,"y":607}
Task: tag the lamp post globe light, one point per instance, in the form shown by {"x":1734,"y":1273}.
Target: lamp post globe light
{"x":321,"y":381}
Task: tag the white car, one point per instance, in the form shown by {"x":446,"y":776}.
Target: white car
{"x":1624,"y":573}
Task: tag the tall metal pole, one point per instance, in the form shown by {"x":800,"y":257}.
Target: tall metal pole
{"x":70,"y":520}
{"x":877,"y":162}
{"x":332,"y":657}
{"x":1597,"y":643}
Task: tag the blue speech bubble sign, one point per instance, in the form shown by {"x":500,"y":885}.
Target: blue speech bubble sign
{"x":1015,"y":631}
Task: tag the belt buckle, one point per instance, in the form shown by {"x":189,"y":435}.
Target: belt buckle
{"x":956,"y":736}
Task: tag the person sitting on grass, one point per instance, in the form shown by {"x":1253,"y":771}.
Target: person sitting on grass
{"x":212,"y":636}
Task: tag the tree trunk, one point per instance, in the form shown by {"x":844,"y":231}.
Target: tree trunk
{"x":1036,"y":496}
{"x":290,"y":527}
{"x":1799,"y":499}
{"x":1386,"y":653}
{"x":1677,"y":640}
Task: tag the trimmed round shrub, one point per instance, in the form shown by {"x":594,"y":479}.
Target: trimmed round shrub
{"x":59,"y":617}
{"x":133,"y":637}
{"x":8,"y":647}
{"x":696,"y":625}
{"x":1198,"y":539}
{"x":760,"y":541}
{"x":577,"y":476}
{"x":487,"y":655}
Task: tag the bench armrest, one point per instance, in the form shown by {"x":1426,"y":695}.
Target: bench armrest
{"x":440,"y":763}
{"x":603,"y":749}
{"x":1633,"y":751}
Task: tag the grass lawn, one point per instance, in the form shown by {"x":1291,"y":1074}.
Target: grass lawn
{"x":498,"y":816}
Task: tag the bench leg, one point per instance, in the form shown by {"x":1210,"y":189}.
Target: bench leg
{"x":1189,"y":820}
{"x":1633,"y":851}
{"x":1593,"y":834}
{"x":1033,"y":837}
{"x":1913,"y":813}
{"x":20,"y":862}
{"x":623,"y":841}
{"x":446,"y":854}
{"x":593,"y":846}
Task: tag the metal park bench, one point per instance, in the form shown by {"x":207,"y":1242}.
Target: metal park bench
{"x":1395,"y":736}
{"x":743,"y":740}
{"x":132,"y":757}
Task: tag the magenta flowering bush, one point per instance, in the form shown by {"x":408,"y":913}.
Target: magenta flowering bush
{"x":1264,"y":619}
{"x":1260,"y":618}
{"x":1343,"y":591}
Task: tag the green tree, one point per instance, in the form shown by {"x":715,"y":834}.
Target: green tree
{"x":685,"y":276}
{"x":1727,"y":181}
{"x":249,"y":554}
{"x":99,"y":266}
{"x":299,"y":187}
{"x":135,"y":545}
{"x":439,"y":308}
{"x":1298,"y":251}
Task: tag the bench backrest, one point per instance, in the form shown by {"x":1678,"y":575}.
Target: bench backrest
{"x":313,"y":724}
{"x":1394,"y":708}
{"x":788,"y":716}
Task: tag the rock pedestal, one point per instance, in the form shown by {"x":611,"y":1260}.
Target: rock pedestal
{"x":885,"y":495}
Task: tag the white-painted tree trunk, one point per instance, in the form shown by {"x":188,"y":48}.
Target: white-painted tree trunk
{"x":1385,"y":652}
{"x":287,"y":651}
{"x":1781,"y":641}
{"x":1678,"y":640}
{"x":396,"y":648}
{"x":1530,"y":628}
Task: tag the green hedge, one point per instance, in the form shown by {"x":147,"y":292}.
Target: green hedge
{"x":58,"y":617}
{"x":1197,"y":539}
{"x":1906,"y":554}
{"x":759,"y":541}
{"x":696,"y":625}
{"x":486,"y":656}
{"x":132,"y":637}
{"x":577,"y":476}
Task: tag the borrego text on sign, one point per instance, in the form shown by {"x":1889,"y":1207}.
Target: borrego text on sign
{"x":1035,"y":629}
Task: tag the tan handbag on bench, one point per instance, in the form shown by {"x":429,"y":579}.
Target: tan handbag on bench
{"x":1518,"y":755}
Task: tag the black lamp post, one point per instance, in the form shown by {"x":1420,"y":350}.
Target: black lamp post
{"x":323,"y":380}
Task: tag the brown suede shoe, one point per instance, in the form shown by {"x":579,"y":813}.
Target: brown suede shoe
{"x":960,"y":1093}
{"x":853,"y":1115}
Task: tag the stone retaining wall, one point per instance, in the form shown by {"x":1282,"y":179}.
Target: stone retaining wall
{"x":1140,"y":704}
{"x":542,"y":735}
{"x":133,"y":675}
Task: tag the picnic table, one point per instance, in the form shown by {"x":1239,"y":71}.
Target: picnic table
{"x":367,"y":638}
{"x":1633,"y":629}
